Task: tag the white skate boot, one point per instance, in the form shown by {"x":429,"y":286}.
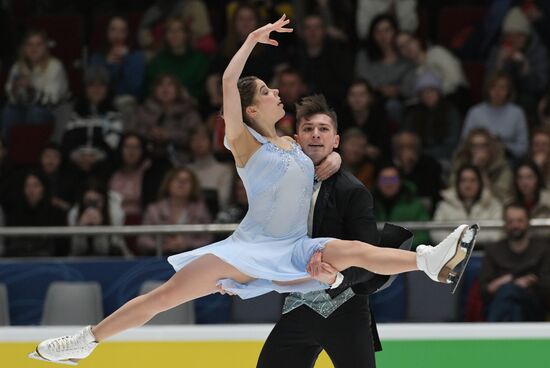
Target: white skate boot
{"x":66,"y":349}
{"x":447,"y":261}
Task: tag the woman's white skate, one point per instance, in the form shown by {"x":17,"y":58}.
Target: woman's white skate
{"x":447,"y":261}
{"x":66,"y":349}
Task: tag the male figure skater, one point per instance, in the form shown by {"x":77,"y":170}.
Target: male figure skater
{"x":337,"y":320}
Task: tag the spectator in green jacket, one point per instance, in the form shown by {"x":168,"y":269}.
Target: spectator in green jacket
{"x":179,"y":59}
{"x":396,"y":200}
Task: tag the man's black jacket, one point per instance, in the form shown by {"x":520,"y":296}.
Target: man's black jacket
{"x":344,"y":210}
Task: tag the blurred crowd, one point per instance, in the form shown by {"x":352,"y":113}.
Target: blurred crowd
{"x":443,"y":111}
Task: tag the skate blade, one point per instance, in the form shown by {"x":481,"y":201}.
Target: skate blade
{"x":34,"y":355}
{"x":468,"y":243}
{"x":452,"y":272}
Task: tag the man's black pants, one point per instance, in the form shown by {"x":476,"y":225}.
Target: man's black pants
{"x":301,"y":334}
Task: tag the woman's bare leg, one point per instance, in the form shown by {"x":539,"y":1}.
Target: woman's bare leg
{"x":293,"y":282}
{"x":199,"y":278}
{"x":342,"y":254}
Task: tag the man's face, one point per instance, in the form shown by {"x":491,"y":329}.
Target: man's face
{"x":406,"y":151}
{"x":317,"y":136}
{"x":516,"y":223}
{"x":176,"y":36}
{"x":314,"y":31}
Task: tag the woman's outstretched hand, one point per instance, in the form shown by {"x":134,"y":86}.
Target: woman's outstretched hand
{"x":261,"y":35}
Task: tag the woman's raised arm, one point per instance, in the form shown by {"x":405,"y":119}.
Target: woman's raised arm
{"x":232,"y":112}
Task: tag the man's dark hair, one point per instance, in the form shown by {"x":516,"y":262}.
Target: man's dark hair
{"x":312,"y":105}
{"x":515,"y":205}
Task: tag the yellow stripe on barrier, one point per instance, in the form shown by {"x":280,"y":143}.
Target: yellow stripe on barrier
{"x":155,"y":354}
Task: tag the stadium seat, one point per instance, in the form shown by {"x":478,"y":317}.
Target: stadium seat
{"x":3,"y":79}
{"x":73,"y":303}
{"x":454,"y":20}
{"x":442,"y":305}
{"x":27,"y":141}
{"x":390,"y":305}
{"x":183,"y":314}
{"x":263,"y":309}
{"x":4,"y":306}
{"x":475,"y":74}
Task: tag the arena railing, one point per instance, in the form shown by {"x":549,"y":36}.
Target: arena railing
{"x":160,"y":230}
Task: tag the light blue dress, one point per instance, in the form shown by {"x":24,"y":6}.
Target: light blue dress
{"x":271,"y":242}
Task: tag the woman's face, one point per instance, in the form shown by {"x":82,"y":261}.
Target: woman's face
{"x":498,"y":92}
{"x":200,"y":144}
{"x":50,"y":160}
{"x":389,"y":182}
{"x":36,"y":49}
{"x":408,"y":46}
{"x":176,"y":36}
{"x":430,"y":97}
{"x":353,"y":150}
{"x":181,"y":185}
{"x":245,"y":22}
{"x":526,"y":181}
{"x":468,"y":185}
{"x":384,"y":34}
{"x":166,"y":91}
{"x":480,"y":150}
{"x":131,"y":151}
{"x":85,"y":161}
{"x":516,"y":40}
{"x":94,"y":199}
{"x":540,"y":144}
{"x":96,"y":92}
{"x":359,"y":97}
{"x":33,"y":190}
{"x":267,"y":105}
{"x":117,"y":32}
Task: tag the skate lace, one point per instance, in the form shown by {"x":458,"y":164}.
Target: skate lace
{"x":65,"y":343}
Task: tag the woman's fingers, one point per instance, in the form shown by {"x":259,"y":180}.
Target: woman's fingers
{"x":313,"y":266}
{"x":284,"y":30}
{"x":278,"y":25}
{"x":281,"y":19}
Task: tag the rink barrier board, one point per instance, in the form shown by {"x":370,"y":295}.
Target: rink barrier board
{"x":228,"y":346}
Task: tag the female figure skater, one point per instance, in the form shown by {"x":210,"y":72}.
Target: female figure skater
{"x":270,"y":249}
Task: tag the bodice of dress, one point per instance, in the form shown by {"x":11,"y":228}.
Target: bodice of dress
{"x":279,"y":185}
